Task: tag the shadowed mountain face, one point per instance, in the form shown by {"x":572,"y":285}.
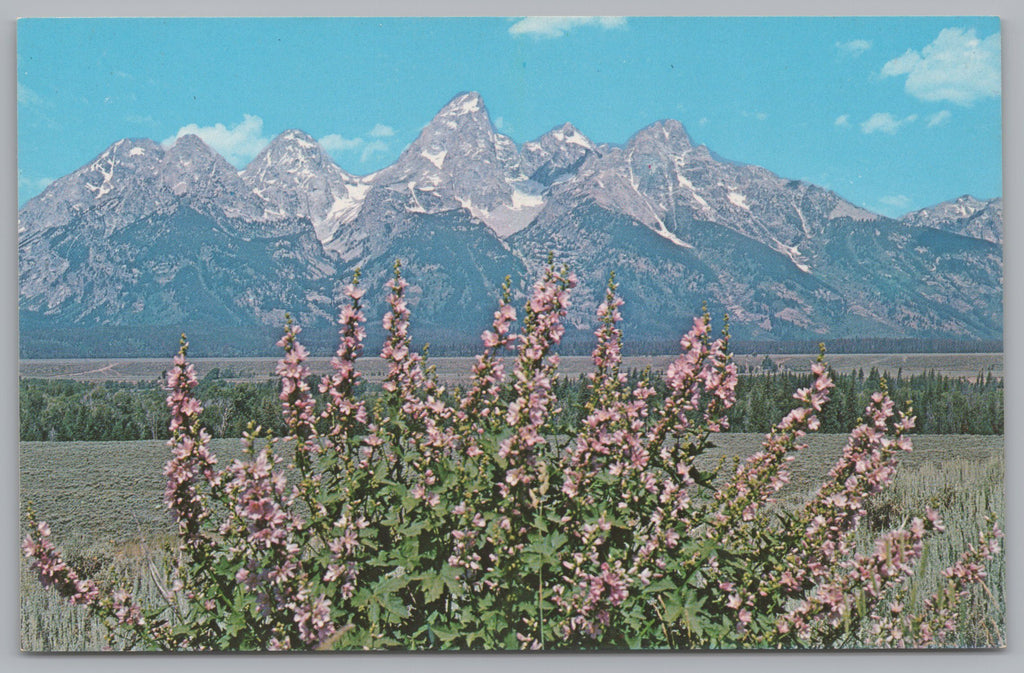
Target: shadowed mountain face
{"x":150,"y":238}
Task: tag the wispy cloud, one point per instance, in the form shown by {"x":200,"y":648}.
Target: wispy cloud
{"x":884,"y":122}
{"x":334,"y":143}
{"x":33,"y":185}
{"x":760,"y":116}
{"x":843,"y":120}
{"x":956,"y":66}
{"x":27,"y":96}
{"x":897,"y":201}
{"x":557,"y":26}
{"x":371,"y":148}
{"x":372,"y":143}
{"x":140,"y":119}
{"x":238,"y":143}
{"x":854,"y":47}
{"x":940,"y":117}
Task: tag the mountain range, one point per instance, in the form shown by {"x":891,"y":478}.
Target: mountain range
{"x":145,"y":241}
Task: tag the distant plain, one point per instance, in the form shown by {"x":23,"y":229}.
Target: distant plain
{"x":455,"y":370}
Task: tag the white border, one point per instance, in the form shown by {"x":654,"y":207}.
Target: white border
{"x":1010,"y":659}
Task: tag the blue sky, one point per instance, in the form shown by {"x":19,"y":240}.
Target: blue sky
{"x":894,"y":114}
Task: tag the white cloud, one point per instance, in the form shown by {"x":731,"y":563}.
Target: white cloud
{"x":336,"y":143}
{"x":940,"y":117}
{"x":843,"y":120}
{"x":896,"y":201}
{"x":238,"y":144}
{"x":885,"y":123}
{"x":957,"y":67}
{"x":33,"y":185}
{"x":760,"y":116}
{"x":366,"y":145}
{"x":557,"y":26}
{"x":373,"y":147}
{"x":854,"y":47}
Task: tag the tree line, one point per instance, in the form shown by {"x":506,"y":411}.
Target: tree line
{"x":65,"y":410}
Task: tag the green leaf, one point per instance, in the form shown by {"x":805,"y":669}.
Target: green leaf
{"x":432,"y":586}
{"x":397,"y":609}
{"x":452,"y":579}
{"x":381,"y":470}
{"x":673,"y":609}
{"x":443,"y":634}
{"x":691,"y":619}
{"x":360,"y":598}
{"x":664,"y":584}
{"x":544,"y":552}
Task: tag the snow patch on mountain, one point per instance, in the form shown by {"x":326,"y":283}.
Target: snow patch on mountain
{"x":507,"y":220}
{"x":665,"y":233}
{"x":465,"y":104}
{"x":436,"y":158}
{"x":793,"y":252}
{"x":738,"y":200}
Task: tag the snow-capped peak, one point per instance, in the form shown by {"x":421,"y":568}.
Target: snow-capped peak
{"x":463,"y":103}
{"x":558,"y":152}
{"x":298,"y":137}
{"x":294,"y":177}
{"x":290,"y":149}
{"x":567,"y":133}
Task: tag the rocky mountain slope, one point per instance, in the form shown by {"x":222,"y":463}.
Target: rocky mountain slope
{"x":160,"y":238}
{"x":964,"y":215}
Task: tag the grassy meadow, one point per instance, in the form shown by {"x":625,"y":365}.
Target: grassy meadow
{"x":104,"y":503}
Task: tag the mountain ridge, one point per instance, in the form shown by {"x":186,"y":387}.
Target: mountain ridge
{"x":785,"y":258}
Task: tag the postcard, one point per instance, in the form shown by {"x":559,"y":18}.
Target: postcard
{"x":526,"y":333}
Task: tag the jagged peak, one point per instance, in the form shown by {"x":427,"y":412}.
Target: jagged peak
{"x":964,"y":200}
{"x":189,"y":151}
{"x":566,"y":133}
{"x":295,"y":134}
{"x":981,"y":203}
{"x":293,"y":144}
{"x":669,"y":131}
{"x":129,"y":147}
{"x":466,"y":102}
{"x":190,"y":143}
{"x":132,"y":143}
{"x":296,"y":137}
